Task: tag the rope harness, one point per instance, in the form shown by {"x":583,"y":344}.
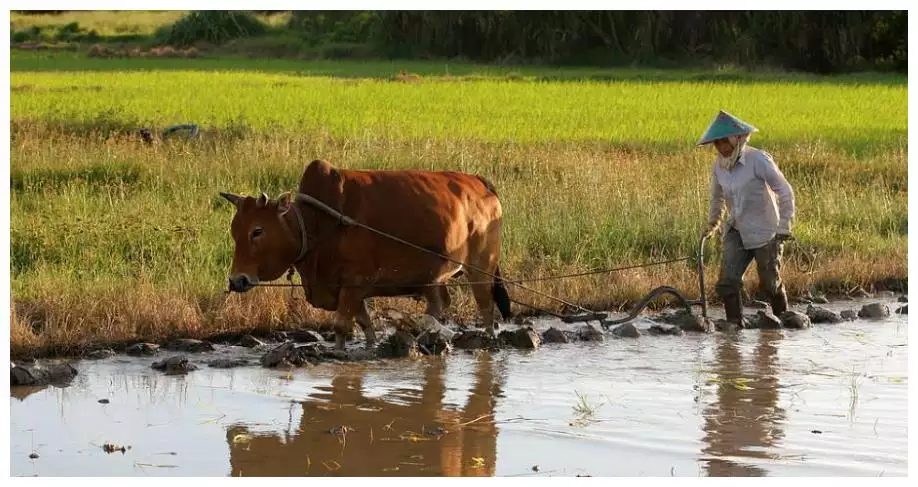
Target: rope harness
{"x":586,"y":315}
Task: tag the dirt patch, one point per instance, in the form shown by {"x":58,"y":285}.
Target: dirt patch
{"x":112,"y":52}
{"x":405,"y":77}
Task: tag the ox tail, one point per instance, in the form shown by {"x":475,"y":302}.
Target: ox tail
{"x":500,"y":295}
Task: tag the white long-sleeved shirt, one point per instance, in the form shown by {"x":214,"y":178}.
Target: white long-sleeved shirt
{"x":748,"y":192}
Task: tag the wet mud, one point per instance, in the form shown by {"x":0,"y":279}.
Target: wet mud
{"x":544,"y":399}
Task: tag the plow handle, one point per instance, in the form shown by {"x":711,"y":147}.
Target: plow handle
{"x":701,"y":298}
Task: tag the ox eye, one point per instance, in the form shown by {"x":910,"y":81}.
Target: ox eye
{"x":257,"y":232}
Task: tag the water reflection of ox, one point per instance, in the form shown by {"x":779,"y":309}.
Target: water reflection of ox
{"x":399,"y":434}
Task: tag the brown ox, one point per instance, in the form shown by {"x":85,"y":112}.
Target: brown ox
{"x":341,"y":265}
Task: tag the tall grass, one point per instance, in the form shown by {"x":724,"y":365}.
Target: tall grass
{"x":113,"y":240}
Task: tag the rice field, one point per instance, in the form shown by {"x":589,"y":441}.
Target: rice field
{"x":113,"y":240}
{"x":626,"y":113}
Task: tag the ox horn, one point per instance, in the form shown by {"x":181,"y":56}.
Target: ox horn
{"x":231,"y":198}
{"x":262,"y":201}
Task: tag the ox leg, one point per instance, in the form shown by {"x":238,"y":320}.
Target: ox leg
{"x":437,"y":300}
{"x":343,"y":325}
{"x":485,"y":301}
{"x":363,"y":319}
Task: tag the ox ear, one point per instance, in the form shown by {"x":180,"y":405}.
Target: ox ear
{"x":283,"y":201}
{"x":235,"y":200}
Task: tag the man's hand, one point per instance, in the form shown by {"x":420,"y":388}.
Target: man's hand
{"x":708,"y":229}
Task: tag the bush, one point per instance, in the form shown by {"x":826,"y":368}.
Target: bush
{"x":20,"y":36}
{"x":69,"y":32}
{"x":214,"y":26}
{"x":32,"y":34}
{"x":331,"y":27}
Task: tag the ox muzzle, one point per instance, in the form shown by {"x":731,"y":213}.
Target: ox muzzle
{"x":241,"y":283}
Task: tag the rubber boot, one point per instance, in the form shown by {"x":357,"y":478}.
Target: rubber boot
{"x":779,"y":302}
{"x":733,"y":307}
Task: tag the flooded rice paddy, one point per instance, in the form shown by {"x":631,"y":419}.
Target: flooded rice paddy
{"x":830,"y":400}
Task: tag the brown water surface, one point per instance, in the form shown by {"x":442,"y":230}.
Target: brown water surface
{"x":831,"y":400}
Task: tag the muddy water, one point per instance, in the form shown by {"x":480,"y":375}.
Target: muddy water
{"x":831,"y":400}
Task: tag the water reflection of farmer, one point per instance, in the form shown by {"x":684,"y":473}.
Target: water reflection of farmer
{"x":744,"y":181}
{"x":744,"y":424}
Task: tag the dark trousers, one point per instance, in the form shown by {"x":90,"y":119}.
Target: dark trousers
{"x":736,"y":260}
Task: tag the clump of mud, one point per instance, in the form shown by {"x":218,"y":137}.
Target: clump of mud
{"x":142,"y":349}
{"x":41,"y":375}
{"x":686,"y":321}
{"x":400,"y":344}
{"x":188,"y":345}
{"x":873,"y":311}
{"x":112,"y":448}
{"x":554,"y":335}
{"x":176,"y":365}
{"x":822,"y":315}
{"x":794,"y":320}
{"x":524,"y":338}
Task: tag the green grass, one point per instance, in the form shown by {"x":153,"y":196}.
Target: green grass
{"x":112,"y":239}
{"x":626,"y":113}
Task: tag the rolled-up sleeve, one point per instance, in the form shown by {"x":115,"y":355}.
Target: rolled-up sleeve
{"x":775,"y":180}
{"x":716,"y":213}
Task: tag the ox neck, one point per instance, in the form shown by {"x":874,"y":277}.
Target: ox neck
{"x":301,"y":226}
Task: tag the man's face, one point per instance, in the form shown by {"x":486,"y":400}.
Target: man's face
{"x":724,"y":147}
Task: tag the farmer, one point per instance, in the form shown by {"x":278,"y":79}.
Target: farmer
{"x":745,"y":180}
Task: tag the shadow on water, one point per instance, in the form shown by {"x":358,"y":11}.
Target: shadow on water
{"x":344,"y":432}
{"x":745,"y":419}
{"x":23,"y":392}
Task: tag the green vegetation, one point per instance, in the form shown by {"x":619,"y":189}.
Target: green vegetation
{"x":113,"y":239}
{"x":812,"y":41}
{"x":215,"y":27}
{"x":807,"y":41}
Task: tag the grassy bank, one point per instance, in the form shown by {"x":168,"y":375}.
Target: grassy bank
{"x":115,"y":240}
